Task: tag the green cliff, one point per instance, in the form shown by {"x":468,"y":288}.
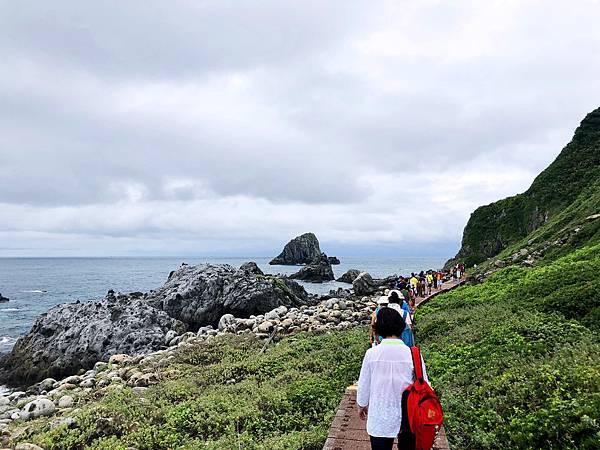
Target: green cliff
{"x":567,"y":191}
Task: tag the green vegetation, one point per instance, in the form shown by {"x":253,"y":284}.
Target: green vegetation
{"x":224,"y":395}
{"x":565,"y":193}
{"x":517,"y":358}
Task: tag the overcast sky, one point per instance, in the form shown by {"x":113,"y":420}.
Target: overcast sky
{"x":228,"y":127}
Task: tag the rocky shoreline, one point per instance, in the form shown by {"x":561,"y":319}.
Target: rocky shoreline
{"x":341,"y":310}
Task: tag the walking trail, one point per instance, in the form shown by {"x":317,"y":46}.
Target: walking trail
{"x":348,"y":432}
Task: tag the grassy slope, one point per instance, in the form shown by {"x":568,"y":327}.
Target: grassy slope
{"x":282,"y":399}
{"x":517,"y":358}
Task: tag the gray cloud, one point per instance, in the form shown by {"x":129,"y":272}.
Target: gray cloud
{"x":237,"y":124}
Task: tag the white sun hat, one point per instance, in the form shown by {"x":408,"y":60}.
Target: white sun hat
{"x":383,"y":300}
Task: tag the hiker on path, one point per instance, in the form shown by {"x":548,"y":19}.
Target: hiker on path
{"x":381,"y":303}
{"x":397,"y":303}
{"x":413,"y":282}
{"x":429,"y":279}
{"x":440,"y":280}
{"x":387,"y":370}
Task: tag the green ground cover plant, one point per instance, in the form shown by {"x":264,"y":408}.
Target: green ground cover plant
{"x":225,"y":395}
{"x":516,"y":359}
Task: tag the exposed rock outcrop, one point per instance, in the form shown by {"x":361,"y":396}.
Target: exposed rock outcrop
{"x":74,"y":336}
{"x":318,"y":271}
{"x":349,"y":276}
{"x":3,"y":299}
{"x":301,"y":250}
{"x":334,"y":260}
{"x":200,"y":295}
{"x":251,"y":268}
{"x":364,"y":284}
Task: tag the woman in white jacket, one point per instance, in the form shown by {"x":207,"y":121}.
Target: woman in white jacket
{"x":386,"y":372}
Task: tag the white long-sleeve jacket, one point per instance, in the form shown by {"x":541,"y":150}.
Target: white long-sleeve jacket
{"x":386,"y":372}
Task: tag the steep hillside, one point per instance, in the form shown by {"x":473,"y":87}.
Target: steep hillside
{"x":565,"y":192}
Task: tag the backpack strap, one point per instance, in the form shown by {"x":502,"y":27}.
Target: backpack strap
{"x":416,"y":357}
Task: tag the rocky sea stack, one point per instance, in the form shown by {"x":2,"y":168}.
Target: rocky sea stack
{"x":303,"y":249}
{"x":3,"y":299}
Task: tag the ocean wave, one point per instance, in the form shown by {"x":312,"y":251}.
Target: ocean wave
{"x":34,"y":291}
{"x":7,"y":340}
{"x":10,"y":309}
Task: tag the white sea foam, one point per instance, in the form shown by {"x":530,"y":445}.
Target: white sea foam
{"x":10,"y":309}
{"x":5,"y":390}
{"x":34,"y":291}
{"x":7,"y":340}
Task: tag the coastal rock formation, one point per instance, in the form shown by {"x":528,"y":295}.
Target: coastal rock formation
{"x":251,"y":268}
{"x":300,"y":250}
{"x":200,"y":295}
{"x":74,"y":336}
{"x":349,"y":276}
{"x":364,"y":284}
{"x":3,"y":299}
{"x":334,"y":260}
{"x":318,"y":271}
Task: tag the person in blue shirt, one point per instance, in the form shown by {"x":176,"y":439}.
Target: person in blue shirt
{"x":397,"y":302}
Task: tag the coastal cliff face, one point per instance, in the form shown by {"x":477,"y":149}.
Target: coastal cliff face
{"x":572,"y":178}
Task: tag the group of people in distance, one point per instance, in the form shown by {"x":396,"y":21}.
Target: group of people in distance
{"x":387,"y":369}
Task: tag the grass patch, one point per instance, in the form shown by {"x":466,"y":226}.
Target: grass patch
{"x":516,"y":359}
{"x":224,"y":394}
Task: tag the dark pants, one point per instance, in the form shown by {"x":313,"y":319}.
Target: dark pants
{"x":406,"y":440}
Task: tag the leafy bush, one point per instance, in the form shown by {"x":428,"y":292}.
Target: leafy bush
{"x":224,"y":394}
{"x":517,"y":358}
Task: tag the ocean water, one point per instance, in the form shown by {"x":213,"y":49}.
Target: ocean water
{"x":35,"y":285}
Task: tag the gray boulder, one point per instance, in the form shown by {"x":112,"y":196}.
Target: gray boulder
{"x":301,"y":250}
{"x":364,"y":284}
{"x":318,"y":271}
{"x":75,"y":336}
{"x":349,"y":276}
{"x":334,"y":260}
{"x":39,"y":407}
{"x":201,"y":295}
{"x":226,"y":322}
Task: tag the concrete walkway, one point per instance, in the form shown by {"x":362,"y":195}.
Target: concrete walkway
{"x":348,"y":432}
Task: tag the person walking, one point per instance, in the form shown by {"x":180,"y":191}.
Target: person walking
{"x":429,"y":279}
{"x":382,"y":302}
{"x":413,"y":281}
{"x":387,"y":370}
{"x":397,"y":303}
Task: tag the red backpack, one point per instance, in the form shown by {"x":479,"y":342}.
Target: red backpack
{"x":423,"y":407}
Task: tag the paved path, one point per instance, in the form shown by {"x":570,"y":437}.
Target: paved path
{"x":348,"y":432}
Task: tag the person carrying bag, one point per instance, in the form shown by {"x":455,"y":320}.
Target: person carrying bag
{"x":422,"y":411}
